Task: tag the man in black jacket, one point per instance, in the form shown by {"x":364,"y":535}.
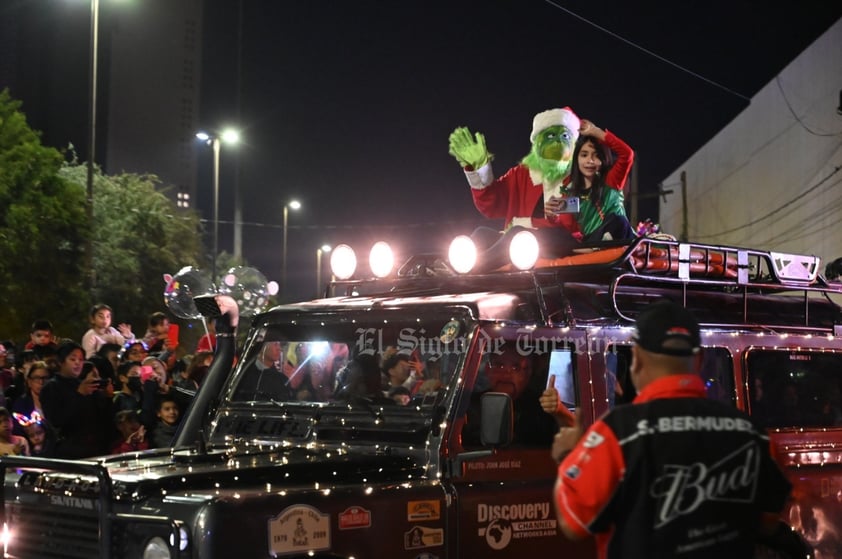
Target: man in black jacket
{"x":673,"y":474}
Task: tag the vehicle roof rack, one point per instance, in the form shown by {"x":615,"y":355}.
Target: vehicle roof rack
{"x":695,"y":266}
{"x":732,"y":265}
{"x":682,"y":270}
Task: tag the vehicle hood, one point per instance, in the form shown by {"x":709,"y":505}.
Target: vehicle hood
{"x":137,"y":476}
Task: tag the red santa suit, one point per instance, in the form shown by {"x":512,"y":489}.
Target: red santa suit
{"x":514,"y":197}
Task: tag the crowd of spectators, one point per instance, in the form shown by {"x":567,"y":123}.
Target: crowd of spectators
{"x":110,"y":391}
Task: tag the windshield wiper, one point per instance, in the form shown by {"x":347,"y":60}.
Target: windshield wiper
{"x":366,"y":404}
{"x":271,"y":399}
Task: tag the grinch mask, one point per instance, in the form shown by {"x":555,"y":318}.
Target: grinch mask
{"x":552,"y":153}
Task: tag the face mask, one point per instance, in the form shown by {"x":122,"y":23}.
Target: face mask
{"x":134,"y":384}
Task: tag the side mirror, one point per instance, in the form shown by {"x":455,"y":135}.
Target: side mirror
{"x":497,"y":426}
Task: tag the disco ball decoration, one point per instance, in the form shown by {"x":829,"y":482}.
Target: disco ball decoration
{"x":189,"y":282}
{"x":248,"y":287}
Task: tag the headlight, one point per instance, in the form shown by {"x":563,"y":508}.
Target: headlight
{"x":6,"y":537}
{"x":523,"y":250}
{"x":381,"y":259}
{"x":156,"y":548}
{"x":343,"y":262}
{"x":462,"y":254}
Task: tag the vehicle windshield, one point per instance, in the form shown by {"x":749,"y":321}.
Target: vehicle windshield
{"x":302,"y":374}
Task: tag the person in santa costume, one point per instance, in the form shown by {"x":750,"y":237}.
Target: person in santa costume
{"x":531,"y":194}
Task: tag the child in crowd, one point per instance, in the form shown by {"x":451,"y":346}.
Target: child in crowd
{"x":41,"y":334}
{"x":130,"y":386}
{"x":102,"y":332}
{"x":157,"y":335}
{"x":168,"y":415}
{"x":9,"y":443}
{"x":139,"y":385}
{"x":132,"y":433}
{"x":36,"y":434}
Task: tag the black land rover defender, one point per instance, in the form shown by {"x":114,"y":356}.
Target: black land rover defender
{"x":399,"y":417}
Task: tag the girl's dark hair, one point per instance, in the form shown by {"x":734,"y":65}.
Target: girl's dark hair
{"x":99,"y":307}
{"x":87,"y":367}
{"x":66,"y":348}
{"x":127,"y":347}
{"x":103,"y":365}
{"x":577,"y":180}
{"x":126,"y":366}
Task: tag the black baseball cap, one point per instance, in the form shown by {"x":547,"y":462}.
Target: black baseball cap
{"x":667,"y":328}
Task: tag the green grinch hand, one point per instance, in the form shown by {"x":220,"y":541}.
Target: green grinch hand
{"x":469,"y":151}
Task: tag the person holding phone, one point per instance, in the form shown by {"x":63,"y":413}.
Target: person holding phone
{"x":77,"y":409}
{"x":154,"y":367}
{"x":596,"y":185}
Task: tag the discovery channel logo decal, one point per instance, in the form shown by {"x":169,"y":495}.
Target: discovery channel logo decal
{"x":370,"y":341}
{"x":500,"y":524}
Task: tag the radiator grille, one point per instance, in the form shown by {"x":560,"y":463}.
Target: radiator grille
{"x":47,"y":532}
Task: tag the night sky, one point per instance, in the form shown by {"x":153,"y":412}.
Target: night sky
{"x":347,"y":106}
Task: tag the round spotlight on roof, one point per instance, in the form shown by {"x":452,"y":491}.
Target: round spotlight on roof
{"x":462,"y":254}
{"x":343,"y":262}
{"x":381,"y":259}
{"x":523,"y":250}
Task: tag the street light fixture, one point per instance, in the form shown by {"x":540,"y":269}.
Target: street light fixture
{"x":89,"y":206}
{"x":228,"y":136}
{"x":324,"y":249}
{"x":291,"y":205}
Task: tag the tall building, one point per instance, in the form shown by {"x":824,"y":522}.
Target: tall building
{"x":148,"y":81}
{"x":153,"y":91}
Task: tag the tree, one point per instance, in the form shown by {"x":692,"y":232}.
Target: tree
{"x":42,"y":231}
{"x":138,"y":236}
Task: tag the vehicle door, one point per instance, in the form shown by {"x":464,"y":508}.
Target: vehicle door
{"x":505,"y":495}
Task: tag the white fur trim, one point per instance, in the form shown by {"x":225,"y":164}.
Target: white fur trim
{"x":555,"y":117}
{"x":551,"y":190}
{"x":536,"y":176}
{"x":480,"y":178}
{"x":523,"y":222}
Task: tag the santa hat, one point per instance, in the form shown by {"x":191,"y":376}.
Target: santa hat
{"x":555,"y":117}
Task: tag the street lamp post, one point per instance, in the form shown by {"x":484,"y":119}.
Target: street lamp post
{"x":215,"y":141}
{"x":324,"y":249}
{"x":89,"y":206}
{"x":216,"y":149}
{"x":294,"y":205}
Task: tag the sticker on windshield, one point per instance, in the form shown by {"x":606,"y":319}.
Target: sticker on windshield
{"x":449,"y":332}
